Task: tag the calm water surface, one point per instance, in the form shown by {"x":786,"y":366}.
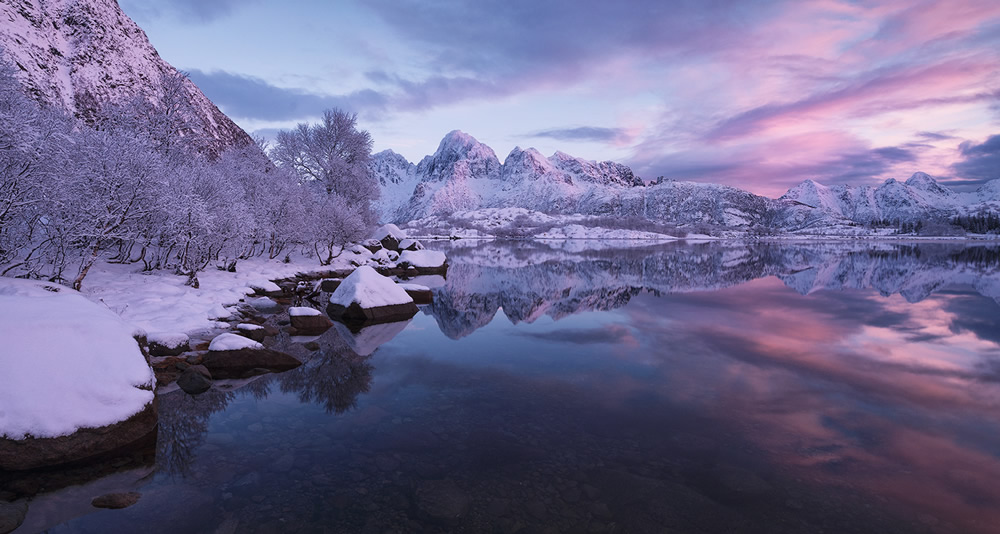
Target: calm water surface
{"x":702,"y":388}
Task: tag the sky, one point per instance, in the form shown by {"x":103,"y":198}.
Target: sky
{"x":755,"y":94}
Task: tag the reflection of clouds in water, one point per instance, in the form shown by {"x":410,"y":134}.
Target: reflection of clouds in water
{"x":610,"y":334}
{"x":813,"y":374}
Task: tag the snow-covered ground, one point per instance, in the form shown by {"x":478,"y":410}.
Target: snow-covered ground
{"x":67,"y":363}
{"x":160,"y":302}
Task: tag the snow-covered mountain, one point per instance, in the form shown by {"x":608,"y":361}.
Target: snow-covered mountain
{"x":78,"y":54}
{"x":919,"y":198}
{"x":465,"y":175}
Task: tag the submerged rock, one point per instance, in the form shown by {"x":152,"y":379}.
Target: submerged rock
{"x":116,"y":501}
{"x":12,"y":515}
{"x":443,"y":501}
{"x":193,"y":381}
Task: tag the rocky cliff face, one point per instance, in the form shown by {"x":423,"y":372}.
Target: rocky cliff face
{"x":80,"y":54}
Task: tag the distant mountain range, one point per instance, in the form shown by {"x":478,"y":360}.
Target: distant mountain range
{"x":465,"y":175}
{"x":79,"y":54}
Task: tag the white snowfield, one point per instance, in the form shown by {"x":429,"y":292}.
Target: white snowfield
{"x":369,"y":289}
{"x":230,"y":341}
{"x":423,"y":258}
{"x":303,"y":311}
{"x":67,"y":363}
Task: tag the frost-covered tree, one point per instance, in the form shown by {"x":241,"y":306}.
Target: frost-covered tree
{"x":331,"y":158}
{"x":26,"y":134}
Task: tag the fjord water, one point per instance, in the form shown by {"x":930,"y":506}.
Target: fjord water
{"x":678,"y":388}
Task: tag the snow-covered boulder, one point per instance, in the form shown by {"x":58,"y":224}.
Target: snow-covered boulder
{"x":308,"y":321}
{"x":229,"y":341}
{"x":420,"y":294}
{"x":423,"y":259}
{"x":366,"y":296}
{"x":264,"y":304}
{"x":381,"y":257}
{"x":168,"y":343}
{"x":410,"y":244}
{"x":265,"y":287}
{"x":252,"y":331}
{"x":73,"y":381}
{"x":389,"y":236}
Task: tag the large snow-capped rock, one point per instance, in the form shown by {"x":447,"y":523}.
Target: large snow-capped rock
{"x":79,"y":54}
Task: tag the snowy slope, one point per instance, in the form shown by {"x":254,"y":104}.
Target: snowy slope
{"x":77,"y":54}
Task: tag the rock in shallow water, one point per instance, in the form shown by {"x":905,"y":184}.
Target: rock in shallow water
{"x":242,"y":363}
{"x":116,"y":501}
{"x":443,"y":501}
{"x":12,"y":515}
{"x":193,"y":381}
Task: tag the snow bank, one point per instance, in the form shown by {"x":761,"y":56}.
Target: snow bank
{"x":67,"y":363}
{"x":247,"y":327}
{"x":230,"y":341}
{"x":300,"y":311}
{"x":423,"y":258}
{"x":369,"y":289}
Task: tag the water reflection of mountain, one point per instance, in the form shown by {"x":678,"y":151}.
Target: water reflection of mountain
{"x":528,"y":280}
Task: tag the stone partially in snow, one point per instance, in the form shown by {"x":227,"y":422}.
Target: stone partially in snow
{"x":265,"y":287}
{"x":389,"y":236}
{"x":410,"y":244}
{"x":423,"y":259}
{"x":229,"y":341}
{"x":366,"y":295}
{"x":308,"y":321}
{"x":263,"y":304}
{"x":252,"y":331}
{"x":420,"y":294}
{"x":381,"y":257}
{"x":73,"y":380}
{"x":168,"y":343}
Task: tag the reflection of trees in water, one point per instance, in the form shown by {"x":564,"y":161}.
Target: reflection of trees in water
{"x":334,"y":378}
{"x":183,"y":422}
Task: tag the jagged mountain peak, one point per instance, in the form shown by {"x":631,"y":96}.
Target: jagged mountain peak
{"x":81,"y":54}
{"x":460,"y":155}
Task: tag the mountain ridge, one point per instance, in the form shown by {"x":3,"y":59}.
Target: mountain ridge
{"x":79,"y":55}
{"x":464,"y":174}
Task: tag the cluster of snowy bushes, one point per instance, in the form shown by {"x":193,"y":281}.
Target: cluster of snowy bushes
{"x":132,"y":185}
